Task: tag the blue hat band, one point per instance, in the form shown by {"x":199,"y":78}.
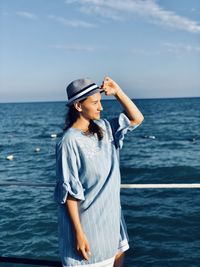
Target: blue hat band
{"x":84,"y":91}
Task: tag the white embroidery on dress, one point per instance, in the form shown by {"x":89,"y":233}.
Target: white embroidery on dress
{"x":90,"y":145}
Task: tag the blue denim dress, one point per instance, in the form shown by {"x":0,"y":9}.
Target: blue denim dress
{"x":89,"y":170}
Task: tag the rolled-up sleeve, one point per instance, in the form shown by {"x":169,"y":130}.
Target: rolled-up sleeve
{"x":67,"y":178}
{"x":120,"y":125}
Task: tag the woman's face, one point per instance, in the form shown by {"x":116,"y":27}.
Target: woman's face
{"x":91,"y":107}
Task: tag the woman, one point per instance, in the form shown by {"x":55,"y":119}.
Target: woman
{"x":92,"y":230}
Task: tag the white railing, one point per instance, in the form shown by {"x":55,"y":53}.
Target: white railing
{"x":141,"y":186}
{"x":160,"y":185}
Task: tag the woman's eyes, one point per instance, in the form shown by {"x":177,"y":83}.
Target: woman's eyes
{"x":95,"y":103}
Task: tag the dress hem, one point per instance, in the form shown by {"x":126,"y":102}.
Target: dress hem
{"x":106,"y":263}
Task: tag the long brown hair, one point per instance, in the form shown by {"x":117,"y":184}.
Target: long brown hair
{"x":73,"y":114}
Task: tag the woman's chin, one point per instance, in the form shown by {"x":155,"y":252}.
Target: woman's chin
{"x":97,"y":116}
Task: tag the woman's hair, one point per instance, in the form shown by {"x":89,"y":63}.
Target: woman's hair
{"x":73,"y":114}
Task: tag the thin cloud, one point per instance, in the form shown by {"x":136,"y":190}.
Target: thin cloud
{"x":147,"y":9}
{"x":71,"y":1}
{"x":103,"y":12}
{"x":145,"y":52}
{"x":26,"y":15}
{"x":181,"y":48}
{"x":73,"y":23}
{"x":76,"y":48}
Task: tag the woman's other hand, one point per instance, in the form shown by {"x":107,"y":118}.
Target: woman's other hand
{"x":110,"y":87}
{"x":82,"y":245}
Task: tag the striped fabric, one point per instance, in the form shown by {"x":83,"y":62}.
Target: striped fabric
{"x":88,"y":170}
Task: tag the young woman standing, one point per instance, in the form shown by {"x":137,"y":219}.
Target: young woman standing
{"x":92,"y":230}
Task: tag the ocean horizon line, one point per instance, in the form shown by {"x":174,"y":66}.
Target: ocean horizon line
{"x":62,"y":101}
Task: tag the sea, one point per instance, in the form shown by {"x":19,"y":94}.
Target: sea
{"x":163,"y":223}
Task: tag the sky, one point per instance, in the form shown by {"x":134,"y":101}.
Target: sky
{"x":151,"y":48}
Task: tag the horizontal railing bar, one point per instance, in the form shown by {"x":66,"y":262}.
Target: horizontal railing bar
{"x":177,"y":185}
{"x":160,"y":185}
{"x":27,"y":184}
{"x":31,"y":261}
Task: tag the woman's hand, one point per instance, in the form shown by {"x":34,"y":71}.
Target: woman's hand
{"x":110,"y":87}
{"x":82,"y":245}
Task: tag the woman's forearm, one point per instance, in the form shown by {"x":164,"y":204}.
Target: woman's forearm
{"x":82,"y":244}
{"x":73,"y":210}
{"x":131,"y":109}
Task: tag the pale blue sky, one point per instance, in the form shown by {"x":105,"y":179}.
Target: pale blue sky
{"x":151,"y":48}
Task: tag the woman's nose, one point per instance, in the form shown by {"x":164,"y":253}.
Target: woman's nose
{"x":100,"y":107}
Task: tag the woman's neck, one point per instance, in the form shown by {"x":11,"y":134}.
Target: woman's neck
{"x":81,"y":124}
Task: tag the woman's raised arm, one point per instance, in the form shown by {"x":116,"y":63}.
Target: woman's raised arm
{"x":112,"y":88}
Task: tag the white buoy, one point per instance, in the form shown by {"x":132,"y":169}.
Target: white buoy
{"x":53,"y":135}
{"x":37,"y":149}
{"x":10,"y":157}
{"x":152,"y":137}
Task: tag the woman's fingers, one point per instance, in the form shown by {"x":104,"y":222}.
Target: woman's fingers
{"x":106,"y":78}
{"x":105,"y":81}
{"x":83,"y":246}
{"x":84,"y":253}
{"x":102,"y":85}
{"x":110,"y":87}
{"x":108,"y":82}
{"x":87,"y":248}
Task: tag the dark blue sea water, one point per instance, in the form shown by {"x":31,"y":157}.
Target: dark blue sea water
{"x":163,"y":224}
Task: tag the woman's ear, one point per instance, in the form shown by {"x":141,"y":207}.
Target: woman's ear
{"x":78,"y":106}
